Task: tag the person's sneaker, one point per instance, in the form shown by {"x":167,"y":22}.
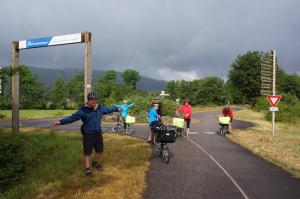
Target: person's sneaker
{"x":97,"y":166}
{"x":88,"y":172}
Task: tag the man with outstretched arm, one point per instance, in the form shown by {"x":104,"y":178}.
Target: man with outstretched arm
{"x":90,"y":114}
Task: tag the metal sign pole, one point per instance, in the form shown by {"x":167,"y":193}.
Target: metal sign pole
{"x":274,"y":90}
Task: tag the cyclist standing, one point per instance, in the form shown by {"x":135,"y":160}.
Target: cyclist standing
{"x":156,"y":101}
{"x":152,"y":118}
{"x":125,"y":107}
{"x":186,"y":111}
{"x":90,"y":114}
{"x":227,"y":112}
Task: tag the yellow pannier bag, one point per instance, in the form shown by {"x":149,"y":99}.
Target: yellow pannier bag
{"x":224,"y":120}
{"x":178,"y":122}
{"x":130,"y":119}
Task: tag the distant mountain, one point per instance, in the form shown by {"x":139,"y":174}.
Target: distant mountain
{"x":48,"y":76}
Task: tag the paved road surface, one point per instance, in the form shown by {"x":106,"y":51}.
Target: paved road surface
{"x":206,"y":165}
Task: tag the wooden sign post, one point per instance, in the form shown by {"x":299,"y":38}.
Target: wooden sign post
{"x":85,"y":37}
{"x":268,"y":80}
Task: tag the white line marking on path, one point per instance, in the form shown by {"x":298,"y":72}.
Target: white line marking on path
{"x":194,"y":133}
{"x":197,"y":133}
{"x":211,"y":133}
{"x":221,"y":167}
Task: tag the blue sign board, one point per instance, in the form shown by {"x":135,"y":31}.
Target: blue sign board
{"x":40,"y":42}
{"x":50,"y":41}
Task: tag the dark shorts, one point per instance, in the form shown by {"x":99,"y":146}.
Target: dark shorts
{"x":188,"y":122}
{"x":153,"y":126}
{"x":92,"y":141}
{"x":231,"y":119}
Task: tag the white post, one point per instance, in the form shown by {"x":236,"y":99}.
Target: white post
{"x":274,"y":90}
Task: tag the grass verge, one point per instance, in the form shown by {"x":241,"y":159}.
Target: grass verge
{"x":35,"y":114}
{"x":283,"y":149}
{"x":53,"y":167}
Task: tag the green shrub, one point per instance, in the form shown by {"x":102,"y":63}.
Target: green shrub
{"x":261,"y":104}
{"x":289,"y":108}
{"x":2,"y":116}
{"x":43,"y":155}
{"x":12,"y":160}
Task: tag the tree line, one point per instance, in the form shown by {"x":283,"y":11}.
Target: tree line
{"x":242,"y":87}
{"x":64,"y":94}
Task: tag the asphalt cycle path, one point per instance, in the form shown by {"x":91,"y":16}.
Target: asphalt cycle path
{"x":205,"y":165}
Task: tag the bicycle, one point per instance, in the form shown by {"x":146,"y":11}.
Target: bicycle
{"x":224,"y":125}
{"x":178,"y":124}
{"x":162,"y":136}
{"x":119,"y":127}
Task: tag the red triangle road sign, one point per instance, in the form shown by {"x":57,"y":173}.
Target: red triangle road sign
{"x":274,"y":99}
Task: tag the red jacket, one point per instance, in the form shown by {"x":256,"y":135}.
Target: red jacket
{"x":228,"y":113}
{"x":186,"y":110}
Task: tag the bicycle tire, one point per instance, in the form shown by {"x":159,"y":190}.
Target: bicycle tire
{"x":180,"y":132}
{"x":115,"y":129}
{"x":130,"y":130}
{"x":166,"y":155}
{"x":119,"y":128}
{"x":223,"y":132}
{"x":160,"y":153}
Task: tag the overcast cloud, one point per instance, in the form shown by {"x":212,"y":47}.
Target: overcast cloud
{"x":164,"y":39}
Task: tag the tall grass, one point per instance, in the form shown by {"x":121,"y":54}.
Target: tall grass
{"x":53,"y":167}
{"x":34,"y":114}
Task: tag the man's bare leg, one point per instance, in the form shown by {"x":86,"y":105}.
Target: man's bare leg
{"x":86,"y":161}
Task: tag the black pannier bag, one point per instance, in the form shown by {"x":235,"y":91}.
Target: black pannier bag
{"x":166,"y":136}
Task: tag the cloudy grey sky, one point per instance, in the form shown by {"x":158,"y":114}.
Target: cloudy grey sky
{"x":165,"y":39}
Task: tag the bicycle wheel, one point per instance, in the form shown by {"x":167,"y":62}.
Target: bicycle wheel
{"x":130,"y":130}
{"x":114,"y":129}
{"x":166,"y":155}
{"x":119,"y":128}
{"x":180,"y":132}
{"x":160,"y":153}
{"x":222,"y":132}
{"x":225,"y":130}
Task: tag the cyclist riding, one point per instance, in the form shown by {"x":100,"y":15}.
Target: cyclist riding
{"x":186,"y":111}
{"x":125,"y":107}
{"x":227,"y":112}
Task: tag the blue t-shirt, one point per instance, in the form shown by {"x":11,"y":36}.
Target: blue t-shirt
{"x":124,"y":109}
{"x":152,"y":115}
